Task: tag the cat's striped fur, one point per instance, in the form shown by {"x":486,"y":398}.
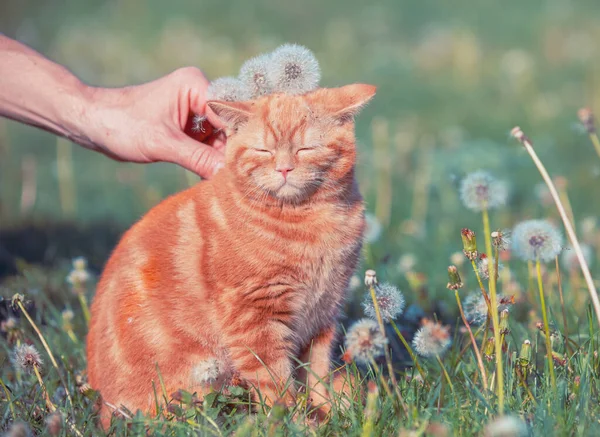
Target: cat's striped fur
{"x":246,"y":270}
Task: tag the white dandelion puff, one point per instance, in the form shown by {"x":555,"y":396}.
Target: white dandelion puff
{"x":533,"y":239}
{"x":294,"y":69}
{"x":389,"y":299}
{"x":228,"y":89}
{"x":479,"y":190}
{"x":79,"y":275}
{"x":365,"y":341}
{"x":569,"y":258}
{"x":432,"y":339}
{"x":254,"y":75}
{"x":506,"y":426}
{"x":26,"y":357}
{"x":206,"y":372}
{"x":476,"y":309}
{"x":373,"y":228}
{"x":483,"y":267}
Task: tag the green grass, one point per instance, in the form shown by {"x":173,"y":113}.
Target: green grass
{"x":453,"y":79}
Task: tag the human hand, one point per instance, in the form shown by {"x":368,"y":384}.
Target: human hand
{"x":153,"y":122}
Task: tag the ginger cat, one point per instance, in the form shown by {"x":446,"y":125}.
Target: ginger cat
{"x":252,"y":263}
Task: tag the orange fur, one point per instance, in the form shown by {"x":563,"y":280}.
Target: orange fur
{"x":247,"y":270}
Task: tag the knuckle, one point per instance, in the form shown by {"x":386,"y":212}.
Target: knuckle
{"x":189,"y":74}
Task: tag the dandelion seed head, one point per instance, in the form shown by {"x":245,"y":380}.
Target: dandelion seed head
{"x":293,"y":70}
{"x":432,"y":339}
{"x":533,"y":239}
{"x":407,"y":263}
{"x":501,"y":239}
{"x":483,"y":267}
{"x":479,"y":190}
{"x":67,"y":315}
{"x":80,"y":263}
{"x":373,"y":228}
{"x":569,"y":258}
{"x":19,"y":429}
{"x":390,"y":300}
{"x":506,"y":426}
{"x":228,"y":89}
{"x":365,"y":341}
{"x":206,"y":372}
{"x":254,"y":75}
{"x":476,"y":309}
{"x":26,"y":357}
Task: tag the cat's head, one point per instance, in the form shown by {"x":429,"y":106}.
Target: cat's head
{"x":291,"y":146}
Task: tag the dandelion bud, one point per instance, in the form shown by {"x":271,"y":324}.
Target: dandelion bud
{"x":518,"y":134}
{"x":455,"y":282}
{"x":293,"y":70}
{"x":469,"y":244}
{"x":26,"y":357}
{"x":370,"y":278}
{"x":389,"y":299}
{"x":525,"y":354}
{"x":504,"y":327}
{"x":489,"y":349}
{"x":540,"y":326}
{"x":586,"y":117}
{"x":559,"y":359}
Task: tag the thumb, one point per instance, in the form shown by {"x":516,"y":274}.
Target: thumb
{"x":198,"y":157}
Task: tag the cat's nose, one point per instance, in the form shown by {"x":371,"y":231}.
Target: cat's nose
{"x":284,"y":170}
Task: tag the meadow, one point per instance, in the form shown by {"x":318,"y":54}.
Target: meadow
{"x":453,"y":80}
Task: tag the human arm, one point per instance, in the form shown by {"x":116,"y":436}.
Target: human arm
{"x":142,"y":123}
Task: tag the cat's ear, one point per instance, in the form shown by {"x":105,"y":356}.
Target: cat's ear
{"x":232,"y":114}
{"x":345,"y":102}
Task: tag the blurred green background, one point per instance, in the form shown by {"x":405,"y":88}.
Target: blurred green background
{"x":453,"y":78}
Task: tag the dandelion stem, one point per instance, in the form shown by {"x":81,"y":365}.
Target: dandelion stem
{"x":8,"y":398}
{"x":388,"y":357}
{"x":520,"y":136}
{"x":49,"y":403}
{"x":494,"y":311}
{"x":595,"y":142}
{"x":84,"y":306}
{"x":409,"y":349}
{"x":475,"y":348}
{"x":50,"y":354}
{"x":448,"y":380}
{"x":546,"y":326}
{"x":384,"y":383}
{"x":562,"y":305}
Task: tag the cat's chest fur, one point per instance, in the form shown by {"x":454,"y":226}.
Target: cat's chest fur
{"x":315,"y":263}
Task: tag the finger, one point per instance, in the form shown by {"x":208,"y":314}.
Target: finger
{"x":198,"y":157}
{"x":213,"y":118}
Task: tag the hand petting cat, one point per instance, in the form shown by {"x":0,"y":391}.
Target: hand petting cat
{"x":143,"y":123}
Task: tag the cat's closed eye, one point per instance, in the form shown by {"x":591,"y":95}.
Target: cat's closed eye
{"x":263,"y":151}
{"x":305,"y":150}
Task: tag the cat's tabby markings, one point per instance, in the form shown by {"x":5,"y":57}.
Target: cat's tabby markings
{"x":239,"y":274}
